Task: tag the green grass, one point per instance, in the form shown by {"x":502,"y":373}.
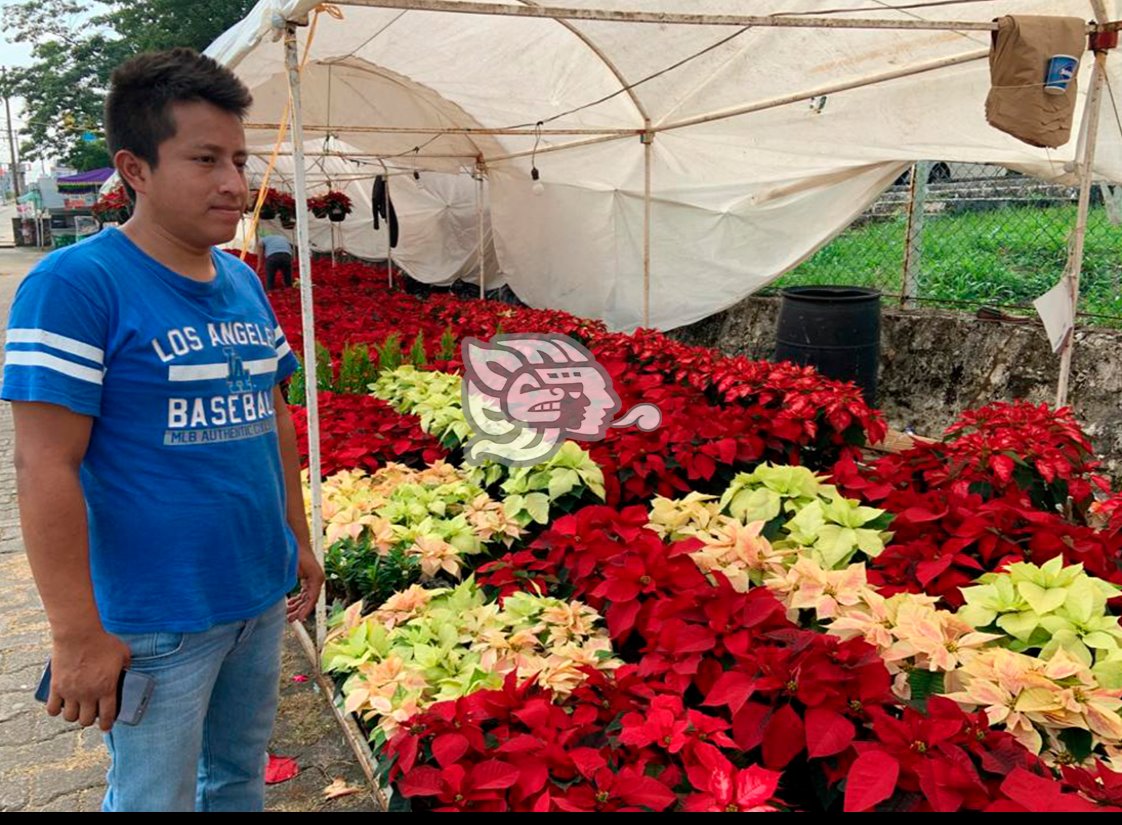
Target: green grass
{"x":1000,"y":257}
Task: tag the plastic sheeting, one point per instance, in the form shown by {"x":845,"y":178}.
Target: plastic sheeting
{"x":438,"y":242}
{"x":737,"y":200}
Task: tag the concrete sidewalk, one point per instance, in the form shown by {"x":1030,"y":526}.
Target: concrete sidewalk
{"x":49,"y":765}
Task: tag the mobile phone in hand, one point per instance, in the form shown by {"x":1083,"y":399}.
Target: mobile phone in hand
{"x":134,"y":691}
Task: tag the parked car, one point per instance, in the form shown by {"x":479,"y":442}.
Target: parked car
{"x":950,"y":171}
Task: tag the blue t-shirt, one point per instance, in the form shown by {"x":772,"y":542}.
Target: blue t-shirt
{"x":183,"y":479}
{"x":275,"y":245}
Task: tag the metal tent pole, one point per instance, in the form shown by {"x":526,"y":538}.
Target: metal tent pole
{"x":307,"y":314}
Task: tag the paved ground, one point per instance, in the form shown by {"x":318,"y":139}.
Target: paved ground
{"x":49,"y":765}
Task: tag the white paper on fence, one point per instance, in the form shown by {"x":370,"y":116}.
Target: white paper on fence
{"x":1057,"y":312}
{"x":736,"y":201}
{"x":438,"y":240}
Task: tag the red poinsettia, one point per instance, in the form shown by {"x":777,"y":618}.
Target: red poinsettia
{"x":724,"y":788}
{"x":360,"y":431}
{"x":114,"y":205}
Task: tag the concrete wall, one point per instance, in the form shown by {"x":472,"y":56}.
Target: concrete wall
{"x":935,"y":364}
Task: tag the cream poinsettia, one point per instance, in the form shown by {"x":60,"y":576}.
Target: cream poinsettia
{"x":1029,"y":695}
{"x":419,"y":648}
{"x":677,"y":518}
{"x":809,"y":586}
{"x":739,"y":552}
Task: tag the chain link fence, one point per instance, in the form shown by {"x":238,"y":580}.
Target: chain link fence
{"x":982,"y":238}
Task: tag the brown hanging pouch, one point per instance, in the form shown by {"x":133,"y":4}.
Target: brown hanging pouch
{"x":1034,"y":65}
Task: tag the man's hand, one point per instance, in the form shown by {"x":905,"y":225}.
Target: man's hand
{"x":310,"y":575}
{"x":85,"y":671}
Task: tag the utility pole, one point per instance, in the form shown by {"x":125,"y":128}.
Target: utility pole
{"x":11,"y":134}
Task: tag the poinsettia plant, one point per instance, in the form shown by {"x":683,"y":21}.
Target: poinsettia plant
{"x":424,"y":646}
{"x":780,"y":647}
{"x":114,"y":206}
{"x":330,"y":202}
{"x":362,"y":432}
{"x":398,"y":526}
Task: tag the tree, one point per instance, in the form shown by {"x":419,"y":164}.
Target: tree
{"x":76,"y":46}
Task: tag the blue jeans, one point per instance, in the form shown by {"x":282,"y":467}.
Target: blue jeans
{"x":201,"y":745}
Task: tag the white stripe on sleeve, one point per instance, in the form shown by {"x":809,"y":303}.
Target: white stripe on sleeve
{"x":56,"y":341}
{"x":21,"y":358}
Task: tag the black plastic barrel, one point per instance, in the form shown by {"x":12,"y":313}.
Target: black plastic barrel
{"x":835,"y":329}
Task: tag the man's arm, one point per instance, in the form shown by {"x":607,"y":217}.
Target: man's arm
{"x":86,"y":661}
{"x":310,"y":573}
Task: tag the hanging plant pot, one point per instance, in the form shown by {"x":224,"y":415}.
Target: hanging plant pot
{"x":336,"y":214}
{"x":288,"y":221}
{"x":268,"y":213}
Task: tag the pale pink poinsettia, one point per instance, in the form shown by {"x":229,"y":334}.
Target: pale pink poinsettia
{"x":564,"y":668}
{"x":739,"y":552}
{"x":568,"y":621}
{"x":997,"y":681}
{"x":488,"y":519}
{"x":345,"y":523}
{"x":1025,"y":693}
{"x":807,"y":586}
{"x":381,"y":534}
{"x":496,"y":655}
{"x":936,"y":640}
{"x":402,"y":711}
{"x":436,"y":554}
{"x":403,"y":606}
{"x":1097,"y":706}
{"x":371,"y":690}
{"x":874,"y":617}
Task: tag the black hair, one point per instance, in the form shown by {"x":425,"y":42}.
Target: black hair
{"x":138,"y":114}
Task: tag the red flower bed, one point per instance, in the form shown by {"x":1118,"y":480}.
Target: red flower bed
{"x":1012,"y":482}
{"x":360,"y":431}
{"x":720,"y":415}
{"x":724,"y":705}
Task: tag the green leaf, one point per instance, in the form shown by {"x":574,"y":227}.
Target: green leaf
{"x":1019,"y":625}
{"x":1041,"y":600}
{"x":1079,"y":742}
{"x":755,"y":505}
{"x":562,"y":482}
{"x":870,"y":542}
{"x":1100,"y":640}
{"x":1080,"y":600}
{"x":537,"y":505}
{"x":835,"y":545}
{"x":1109,"y":674}
{"x":976,"y":616}
{"x":925,"y":684}
{"x":807,"y":524}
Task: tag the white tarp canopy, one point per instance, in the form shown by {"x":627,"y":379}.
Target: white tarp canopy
{"x":738,"y":197}
{"x":438,"y":241}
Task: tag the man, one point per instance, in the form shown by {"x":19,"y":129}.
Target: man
{"x":157,"y":465}
{"x":274,"y":254}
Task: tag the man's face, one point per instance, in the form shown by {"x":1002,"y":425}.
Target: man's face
{"x":197,"y":192}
